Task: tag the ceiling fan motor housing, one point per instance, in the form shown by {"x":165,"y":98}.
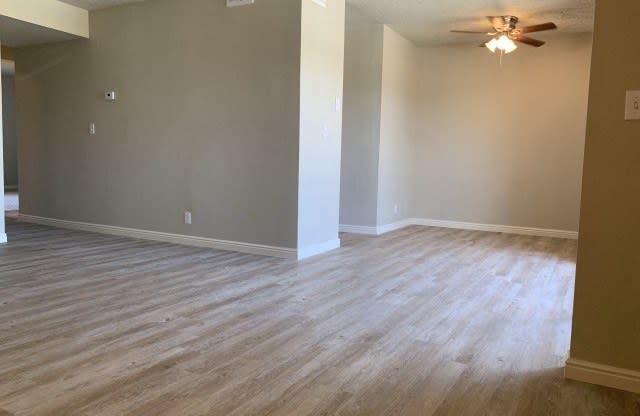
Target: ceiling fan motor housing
{"x":509,"y":24}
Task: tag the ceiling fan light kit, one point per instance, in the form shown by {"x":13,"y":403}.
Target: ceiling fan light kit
{"x":506,"y":33}
{"x":503,"y":44}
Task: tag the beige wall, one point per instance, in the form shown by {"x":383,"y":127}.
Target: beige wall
{"x":207,"y":120}
{"x":321,"y":78}
{"x":606,"y":321}
{"x":503,"y":144}
{"x":398,"y":126}
{"x":361,"y":123}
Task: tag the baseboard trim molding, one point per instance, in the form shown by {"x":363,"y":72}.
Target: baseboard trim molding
{"x":359,"y":229}
{"x":3,"y":238}
{"x":186,"y":240}
{"x":316,"y":249}
{"x":602,"y":375}
{"x":506,"y":229}
{"x":394,"y":226}
{"x":378,"y":230}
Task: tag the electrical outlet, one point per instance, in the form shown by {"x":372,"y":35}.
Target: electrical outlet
{"x":187,"y":217}
{"x":396,"y":209}
{"x":92,"y":129}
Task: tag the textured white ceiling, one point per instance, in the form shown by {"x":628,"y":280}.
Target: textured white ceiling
{"x":428,"y":22}
{"x":97,"y":4}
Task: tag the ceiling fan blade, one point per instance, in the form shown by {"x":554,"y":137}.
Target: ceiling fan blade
{"x":470,"y":31}
{"x":530,"y":41}
{"x":538,"y":28}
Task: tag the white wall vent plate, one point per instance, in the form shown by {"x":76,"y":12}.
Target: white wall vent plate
{"x":234,"y":3}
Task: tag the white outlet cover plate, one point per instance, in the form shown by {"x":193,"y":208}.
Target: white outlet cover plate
{"x":632,"y":107}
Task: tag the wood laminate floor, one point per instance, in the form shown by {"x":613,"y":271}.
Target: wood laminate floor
{"x":422,"y":321}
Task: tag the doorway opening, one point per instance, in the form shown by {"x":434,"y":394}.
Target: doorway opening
{"x":9,"y":134}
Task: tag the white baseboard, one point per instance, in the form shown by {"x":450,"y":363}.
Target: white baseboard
{"x":379,"y":230}
{"x":241,"y":247}
{"x":359,"y":229}
{"x":3,"y":238}
{"x":507,"y":229}
{"x":603,"y":375}
{"x":315,"y":249}
{"x":398,"y":225}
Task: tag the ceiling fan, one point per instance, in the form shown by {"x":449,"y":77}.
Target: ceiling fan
{"x":506,"y":33}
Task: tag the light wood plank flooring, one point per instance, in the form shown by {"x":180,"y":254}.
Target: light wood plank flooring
{"x":422,"y":321}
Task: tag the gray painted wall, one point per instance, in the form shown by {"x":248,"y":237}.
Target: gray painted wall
{"x":380,"y":127}
{"x":361,"y":119}
{"x":207,"y":120}
{"x":503,"y":144}
{"x":463,"y":138}
{"x":401,"y":80}
{"x":10,"y":137}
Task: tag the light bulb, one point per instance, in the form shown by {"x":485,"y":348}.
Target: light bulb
{"x":505,"y":44}
{"x":512,"y":47}
{"x":492,"y":45}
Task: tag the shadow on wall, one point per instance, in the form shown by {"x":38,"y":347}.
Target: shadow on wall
{"x":10,"y":137}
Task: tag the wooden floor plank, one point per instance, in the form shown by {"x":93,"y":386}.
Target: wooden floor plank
{"x":422,"y":321}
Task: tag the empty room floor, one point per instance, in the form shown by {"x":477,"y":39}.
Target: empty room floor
{"x":422,"y":321}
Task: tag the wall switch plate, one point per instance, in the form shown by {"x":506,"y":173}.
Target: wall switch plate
{"x":110,"y":95}
{"x":632,"y":108}
{"x":234,"y":3}
{"x":187,"y":217}
{"x":92,"y":129}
